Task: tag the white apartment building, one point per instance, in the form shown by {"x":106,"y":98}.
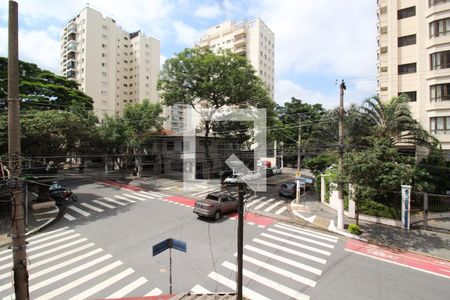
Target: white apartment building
{"x":112,"y":66}
{"x":414,"y":59}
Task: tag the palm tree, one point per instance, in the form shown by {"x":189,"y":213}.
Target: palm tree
{"x":392,"y":120}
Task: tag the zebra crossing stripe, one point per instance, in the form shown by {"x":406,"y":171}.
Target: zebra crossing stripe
{"x":273,"y":206}
{"x":255,"y":201}
{"x":79,"y":281}
{"x":299,"y":245}
{"x":38,"y":241}
{"x":146,"y":196}
{"x":198,"y":289}
{"x":267,"y":282}
{"x":280,"y":271}
{"x":41,"y":235}
{"x":124,"y":199}
{"x":290,"y":251}
{"x":264,"y":203}
{"x":232,"y":285}
{"x":79,"y":210}
{"x":302,"y":238}
{"x":128,"y":289}
{"x":114,"y":201}
{"x":154,"y":194}
{"x":102,"y":285}
{"x":34,"y":248}
{"x":92,"y":207}
{"x":69,"y":217}
{"x":284,"y":260}
{"x":314,"y":234}
{"x":103,"y":204}
{"x":310,"y":231}
{"x":135,"y":197}
{"x":154,"y":292}
{"x":281,"y":210}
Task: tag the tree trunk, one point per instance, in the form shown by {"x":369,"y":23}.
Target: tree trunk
{"x":357,"y":213}
{"x":207,"y":156}
{"x":138,"y":161}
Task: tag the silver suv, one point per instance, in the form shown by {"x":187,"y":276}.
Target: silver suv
{"x":215,"y":205}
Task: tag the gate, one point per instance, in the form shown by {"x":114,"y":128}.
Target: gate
{"x":431,"y":212}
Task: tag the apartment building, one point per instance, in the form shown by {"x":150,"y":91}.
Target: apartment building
{"x":414,"y":59}
{"x":112,"y":66}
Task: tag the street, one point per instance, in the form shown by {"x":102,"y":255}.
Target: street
{"x":102,"y":248}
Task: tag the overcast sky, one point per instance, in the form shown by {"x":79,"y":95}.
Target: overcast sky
{"x":316,"y":41}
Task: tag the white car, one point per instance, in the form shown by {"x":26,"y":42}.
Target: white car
{"x":233,"y":179}
{"x":276,"y":170}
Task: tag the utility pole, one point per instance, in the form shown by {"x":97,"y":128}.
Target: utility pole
{"x":340,"y":219}
{"x":299,"y":159}
{"x":240,"y":241}
{"x":15,"y":164}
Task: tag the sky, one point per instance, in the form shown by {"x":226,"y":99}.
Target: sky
{"x":317,"y":42}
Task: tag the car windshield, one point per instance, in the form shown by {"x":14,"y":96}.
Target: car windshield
{"x":212,"y":197}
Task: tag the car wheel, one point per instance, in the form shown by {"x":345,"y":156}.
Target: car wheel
{"x":217,"y":215}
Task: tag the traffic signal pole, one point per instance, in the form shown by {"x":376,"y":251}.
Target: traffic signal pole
{"x":240,"y":240}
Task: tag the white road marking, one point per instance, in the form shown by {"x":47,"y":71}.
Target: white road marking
{"x":299,"y":245}
{"x":290,"y":251}
{"x":135,"y":197}
{"x":264,"y":203}
{"x":280,"y":271}
{"x":273,"y":206}
{"x":254,"y":202}
{"x":40,"y":235}
{"x":281,"y":210}
{"x":232,"y":285}
{"x":34,"y":248}
{"x":311,"y":231}
{"x":128,"y":289}
{"x":92,"y":207}
{"x":154,"y":292}
{"x":61,"y":255}
{"x":124,"y":199}
{"x":102,"y":285}
{"x":302,"y":238}
{"x":146,"y":196}
{"x":79,"y":210}
{"x":114,"y":201}
{"x":104,"y":204}
{"x":75,"y":283}
{"x":154,"y":194}
{"x":198,"y":289}
{"x":37,"y":241}
{"x":267,"y":282}
{"x":308,"y":233}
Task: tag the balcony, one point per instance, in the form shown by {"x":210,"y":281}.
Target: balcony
{"x":239,"y":33}
{"x":240,"y":50}
{"x":72,"y":28}
{"x":72,"y":46}
{"x":240,"y":41}
{"x":71,"y":65}
{"x":71,"y":74}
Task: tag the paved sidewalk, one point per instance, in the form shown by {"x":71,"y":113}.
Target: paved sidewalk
{"x":37,"y":220}
{"x":430,"y":243}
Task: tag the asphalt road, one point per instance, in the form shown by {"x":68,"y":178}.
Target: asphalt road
{"x":103,"y":248}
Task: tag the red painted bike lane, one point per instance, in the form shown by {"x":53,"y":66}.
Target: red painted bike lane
{"x":407,"y":259}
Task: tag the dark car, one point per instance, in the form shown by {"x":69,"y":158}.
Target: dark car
{"x":289,"y":189}
{"x":215,"y":205}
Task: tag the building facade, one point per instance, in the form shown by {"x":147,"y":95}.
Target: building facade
{"x":414,"y":59}
{"x":112,"y":66}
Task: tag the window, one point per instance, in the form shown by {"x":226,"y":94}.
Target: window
{"x":412,"y":96}
{"x":440,"y":125}
{"x":104,"y":36}
{"x":440,"y":92}
{"x":170,"y":145}
{"x":103,"y":45}
{"x":407,"y":40}
{"x":104,"y":74}
{"x":103,"y":64}
{"x":440,"y":60}
{"x":406,"y":12}
{"x":105,"y":27}
{"x":439,"y":27}
{"x":407,"y":68}
{"x":103,"y":93}
{"x":436,"y":2}
{"x":103,"y":54}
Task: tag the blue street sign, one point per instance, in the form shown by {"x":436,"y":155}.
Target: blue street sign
{"x":169,"y":243}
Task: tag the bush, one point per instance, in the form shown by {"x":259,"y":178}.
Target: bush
{"x":354,"y":229}
{"x":372,"y":208}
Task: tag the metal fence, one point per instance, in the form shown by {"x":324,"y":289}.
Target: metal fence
{"x":431,"y":212}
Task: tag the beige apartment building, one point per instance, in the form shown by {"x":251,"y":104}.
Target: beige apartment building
{"x":112,"y":66}
{"x":414,"y":59}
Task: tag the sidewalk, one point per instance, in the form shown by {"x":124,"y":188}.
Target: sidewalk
{"x":43,"y":215}
{"x":430,"y":243}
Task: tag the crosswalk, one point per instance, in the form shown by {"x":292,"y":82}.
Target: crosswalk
{"x":266,"y":204}
{"x":62,"y":254}
{"x":87,"y":208}
{"x":283,"y":262}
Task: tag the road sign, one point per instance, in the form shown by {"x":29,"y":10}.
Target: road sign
{"x":169,"y":243}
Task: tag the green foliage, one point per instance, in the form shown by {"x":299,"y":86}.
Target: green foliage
{"x":373,"y":208}
{"x":113,"y":134}
{"x":318,"y":164}
{"x":43,"y":90}
{"x":354,"y":229}
{"x":436,"y":166}
{"x":330,"y":176}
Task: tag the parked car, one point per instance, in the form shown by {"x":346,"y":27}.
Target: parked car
{"x":269,"y":172}
{"x":276,"y":170}
{"x":215,"y":205}
{"x":233,"y":179}
{"x":289,"y":189}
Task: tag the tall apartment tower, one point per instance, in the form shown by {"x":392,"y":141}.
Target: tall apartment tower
{"x":252,"y":39}
{"x":112,"y":66}
{"x":414,"y":59}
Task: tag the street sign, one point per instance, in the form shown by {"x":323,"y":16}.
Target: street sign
{"x":179,"y":245}
{"x":169,"y":243}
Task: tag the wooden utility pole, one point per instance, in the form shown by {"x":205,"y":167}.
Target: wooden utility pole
{"x":299,"y":159}
{"x":14,"y":156}
{"x":340,"y":219}
{"x":240,"y":241}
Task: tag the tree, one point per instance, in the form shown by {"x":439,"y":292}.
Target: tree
{"x":140,"y":120}
{"x":205,"y":80}
{"x":43,"y":90}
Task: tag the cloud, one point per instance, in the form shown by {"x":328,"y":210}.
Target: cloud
{"x":162,"y":60}
{"x":285,"y":89}
{"x":186,"y":35}
{"x":207,"y":11}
